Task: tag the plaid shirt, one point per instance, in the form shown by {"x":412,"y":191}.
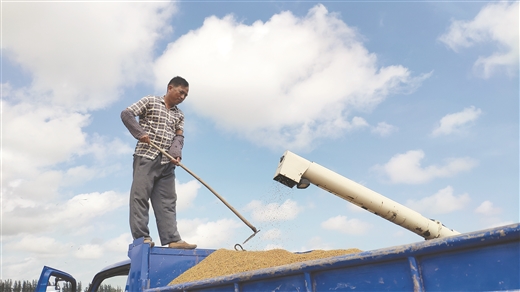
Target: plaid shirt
{"x":159,"y":123}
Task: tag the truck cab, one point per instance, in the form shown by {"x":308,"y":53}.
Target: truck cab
{"x":147,"y":267}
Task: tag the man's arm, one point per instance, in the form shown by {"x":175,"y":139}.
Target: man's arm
{"x":176,"y":149}
{"x":133,"y":126}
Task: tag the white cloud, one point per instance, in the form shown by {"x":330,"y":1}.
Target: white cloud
{"x":272,"y":234}
{"x":22,"y":216}
{"x":358,"y":122}
{"x":487,"y":208}
{"x":442,"y":202}
{"x":57,"y":133}
{"x":406,"y":168}
{"x":78,"y":174}
{"x":316,"y":243}
{"x":384,"y":129}
{"x":89,"y":252}
{"x":26,"y":254}
{"x":492,"y":222}
{"x":85,"y":51}
{"x":24,"y":267}
{"x":490,"y":215}
{"x":496,"y":23}
{"x":118,"y":244}
{"x":210,"y":234}
{"x":272,"y":212}
{"x":453,"y":123}
{"x":42,"y":187}
{"x":348,"y":226}
{"x":186,"y":194}
{"x":102,"y":148}
{"x":43,"y":246}
{"x":289,"y":91}
{"x":51,"y":136}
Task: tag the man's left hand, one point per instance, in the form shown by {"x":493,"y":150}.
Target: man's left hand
{"x":176,"y":160}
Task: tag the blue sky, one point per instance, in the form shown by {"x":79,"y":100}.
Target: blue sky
{"x":418,"y":101}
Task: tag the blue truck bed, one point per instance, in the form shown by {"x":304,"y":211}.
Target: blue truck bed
{"x":486,"y":260}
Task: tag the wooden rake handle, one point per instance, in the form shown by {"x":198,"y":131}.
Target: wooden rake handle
{"x":211,"y":189}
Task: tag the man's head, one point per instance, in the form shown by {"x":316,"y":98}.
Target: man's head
{"x":176,"y":81}
{"x":177,"y":91}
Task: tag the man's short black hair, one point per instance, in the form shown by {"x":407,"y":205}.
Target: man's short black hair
{"x":176,"y":81}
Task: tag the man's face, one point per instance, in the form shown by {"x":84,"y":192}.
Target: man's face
{"x":176,"y":94}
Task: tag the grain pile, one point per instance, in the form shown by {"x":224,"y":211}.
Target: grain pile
{"x":226,"y":262}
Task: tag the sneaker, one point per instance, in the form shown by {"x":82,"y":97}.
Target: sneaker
{"x":149,"y":241}
{"x":181,"y":244}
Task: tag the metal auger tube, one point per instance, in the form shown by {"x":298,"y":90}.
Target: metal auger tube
{"x":295,"y":170}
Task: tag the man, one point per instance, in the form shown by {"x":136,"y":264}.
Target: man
{"x":160,"y":122}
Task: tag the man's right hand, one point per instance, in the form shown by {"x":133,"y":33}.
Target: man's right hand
{"x":145,"y":139}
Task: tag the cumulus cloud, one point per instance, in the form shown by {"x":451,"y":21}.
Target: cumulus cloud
{"x":85,"y":51}
{"x":490,"y":215}
{"x":48,"y":126}
{"x":103,"y":148}
{"x":272,"y":234}
{"x":406,"y":168}
{"x":496,"y":23}
{"x":348,"y":226}
{"x":186,"y":194}
{"x":316,"y":243}
{"x":272,"y":212}
{"x":487,"y":208}
{"x":384,"y":129}
{"x":493,"y":222}
{"x":47,"y":245}
{"x":20,"y":216}
{"x":24,"y":266}
{"x":89,"y":252}
{"x":288,"y":81}
{"x":118,"y":244}
{"x":442,"y":202}
{"x":44,"y":246}
{"x":25,"y":255}
{"x":209,"y":234}
{"x":456,"y":122}
{"x":38,"y":138}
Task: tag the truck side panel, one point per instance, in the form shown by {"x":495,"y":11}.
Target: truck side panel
{"x":167,"y":264}
{"x":496,"y":267}
{"x":386,"y":276}
{"x":487,"y":260}
{"x":157,"y":266}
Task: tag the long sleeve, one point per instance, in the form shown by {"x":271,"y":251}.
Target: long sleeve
{"x":176,"y":148}
{"x":131,"y":124}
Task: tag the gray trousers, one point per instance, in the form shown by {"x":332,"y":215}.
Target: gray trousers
{"x":155,"y":182}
